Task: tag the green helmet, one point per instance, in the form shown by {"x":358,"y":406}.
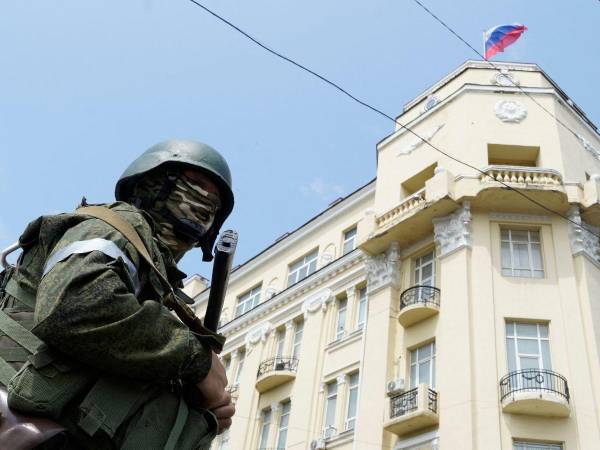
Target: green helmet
{"x":184,"y":154}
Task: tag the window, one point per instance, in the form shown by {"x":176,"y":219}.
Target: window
{"x":248,"y":300}
{"x":352,"y":401}
{"x":523,"y":445}
{"x":521,"y":253}
{"x":264,"y":432}
{"x":240,"y":366}
{"x":362,"y":308}
{"x":283,"y":424}
{"x":527,"y":346}
{"x":341,"y":322}
{"x":297,"y":339}
{"x":303,"y":267}
{"x":422,"y":365}
{"x":513,"y":155}
{"x":425,"y":269}
{"x":279,"y":343}
{"x":227,"y":364}
{"x":349,"y":241}
{"x":224,"y":440}
{"x":330,"y":404}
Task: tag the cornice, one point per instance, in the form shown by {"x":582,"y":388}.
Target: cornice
{"x":293,"y":292}
{"x":294,"y":237}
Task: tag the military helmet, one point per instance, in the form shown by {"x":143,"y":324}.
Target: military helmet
{"x":179,"y":153}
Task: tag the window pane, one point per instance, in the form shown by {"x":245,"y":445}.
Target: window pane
{"x":506,"y":260}
{"x":424,"y":352}
{"x":526,"y":330}
{"x":543,"y":330}
{"x":519,"y":235}
{"x":528,"y":346}
{"x":529,"y":363}
{"x":510,"y":329}
{"x":536,"y":256}
{"x":424,"y":372}
{"x":547,"y":363}
{"x":534,"y":236}
{"x":521,"y":256}
{"x":510,"y":354}
{"x":504,"y":234}
{"x":413,"y":376}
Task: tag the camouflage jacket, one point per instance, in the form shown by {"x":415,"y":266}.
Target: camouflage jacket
{"x":87,"y":309}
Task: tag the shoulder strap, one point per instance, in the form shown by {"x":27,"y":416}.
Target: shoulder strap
{"x":126,"y":229}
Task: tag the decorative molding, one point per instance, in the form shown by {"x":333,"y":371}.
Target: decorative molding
{"x":513,"y":217}
{"x":322,"y":387}
{"x":430,"y":102}
{"x":258,"y":334}
{"x":588,"y":146}
{"x":275,"y":407}
{"x":510,"y":111}
{"x":351,"y":293}
{"x":320,"y":300}
{"x":505,"y":78}
{"x":235,"y":355}
{"x":289,"y":326}
{"x":326,"y":258}
{"x":384,"y":270}
{"x":583,"y":241}
{"x":342,"y":379}
{"x":426,"y":136}
{"x":453,"y":231}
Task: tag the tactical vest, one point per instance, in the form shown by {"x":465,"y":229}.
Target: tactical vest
{"x":39,"y":379}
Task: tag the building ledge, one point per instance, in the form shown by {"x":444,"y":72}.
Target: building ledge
{"x":413,"y":410}
{"x":348,"y":339}
{"x":536,"y":404}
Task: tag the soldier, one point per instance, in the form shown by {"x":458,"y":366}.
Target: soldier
{"x":114,"y":361}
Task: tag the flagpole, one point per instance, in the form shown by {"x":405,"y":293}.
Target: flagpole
{"x":483,"y":38}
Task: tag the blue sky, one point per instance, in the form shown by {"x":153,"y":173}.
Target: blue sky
{"x":87,"y":86}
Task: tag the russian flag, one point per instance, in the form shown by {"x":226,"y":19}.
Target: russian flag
{"x":498,"y":38}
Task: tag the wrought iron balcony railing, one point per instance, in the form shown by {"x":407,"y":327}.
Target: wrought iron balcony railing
{"x":276,"y":364}
{"x":420,"y":295}
{"x":408,"y":402}
{"x":534,"y":380}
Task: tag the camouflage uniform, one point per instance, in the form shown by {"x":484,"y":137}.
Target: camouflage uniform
{"x":106,"y":359}
{"x":86,"y":308}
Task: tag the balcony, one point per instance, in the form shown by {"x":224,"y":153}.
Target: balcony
{"x":274,"y":372}
{"x":523,"y":176}
{"x":413,"y":410}
{"x":408,"y":204}
{"x":418,"y":303}
{"x":537,"y":392}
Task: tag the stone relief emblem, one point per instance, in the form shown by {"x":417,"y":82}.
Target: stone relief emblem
{"x":415,"y":144}
{"x":588,"y":146}
{"x":505,"y":79}
{"x":384,"y":269}
{"x":258,"y":334}
{"x":582,"y":240}
{"x":454,"y":231}
{"x":510,"y":111}
{"x":320,"y":300}
{"x":431,"y":101}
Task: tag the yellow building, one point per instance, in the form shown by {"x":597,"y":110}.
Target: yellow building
{"x":434,"y":308}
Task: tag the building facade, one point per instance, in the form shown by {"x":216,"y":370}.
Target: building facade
{"x":434,"y":307}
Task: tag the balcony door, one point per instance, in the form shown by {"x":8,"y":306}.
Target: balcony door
{"x":528,"y":352}
{"x":422,"y":366}
{"x":424,"y":274}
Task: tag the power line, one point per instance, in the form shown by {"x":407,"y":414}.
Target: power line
{"x":387,"y":116}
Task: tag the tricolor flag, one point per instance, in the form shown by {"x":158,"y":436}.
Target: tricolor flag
{"x":498,"y":38}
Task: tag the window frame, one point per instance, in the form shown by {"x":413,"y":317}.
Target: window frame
{"x":331,"y":398}
{"x":251,"y":296}
{"x":351,"y":239}
{"x":535,"y":445}
{"x":530,"y":254}
{"x":307,"y":261}
{"x":352,"y":389}
{"x":418,"y":265}
{"x":414,"y":380}
{"x":361,"y":314}
{"x":265,"y":425}
{"x":512,"y":340}
{"x":297,"y":341}
{"x":283,"y":429}
{"x":342,"y":313}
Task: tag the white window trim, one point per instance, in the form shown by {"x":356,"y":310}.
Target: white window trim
{"x":425,"y":438}
{"x":305,"y":261}
{"x":418,"y":268}
{"x":268,"y":424}
{"x":350,"y":387}
{"x":342,"y":308}
{"x":362,"y":303}
{"x":545,"y":365}
{"x":431,"y":359}
{"x":529,"y":243}
{"x":297,"y":344}
{"x":330,"y":430}
{"x":248,"y":300}
{"x":287,"y":427}
{"x":351,"y":240}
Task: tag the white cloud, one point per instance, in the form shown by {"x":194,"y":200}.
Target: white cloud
{"x":322,"y":189}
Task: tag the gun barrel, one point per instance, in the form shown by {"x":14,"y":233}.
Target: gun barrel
{"x":225,"y":250}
